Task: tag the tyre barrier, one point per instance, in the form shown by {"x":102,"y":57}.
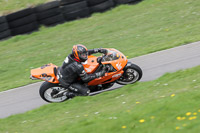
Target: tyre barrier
{"x":52,"y":21}
{"x":4,"y":28}
{"x":118,"y":2}
{"x":76,"y":10}
{"x":52,"y":13}
{"x":66,"y":2}
{"x":23,"y":21}
{"x":49,"y":14}
{"x":102,"y":7}
{"x":94,"y":2}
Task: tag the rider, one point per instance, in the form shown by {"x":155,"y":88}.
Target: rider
{"x":72,"y":69}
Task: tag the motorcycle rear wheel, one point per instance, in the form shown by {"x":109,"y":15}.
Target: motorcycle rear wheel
{"x":49,"y":90}
{"x":132,"y":74}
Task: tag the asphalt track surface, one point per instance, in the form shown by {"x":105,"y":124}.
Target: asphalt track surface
{"x":154,"y":65}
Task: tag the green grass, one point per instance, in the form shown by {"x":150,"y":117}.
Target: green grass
{"x":159,"y":103}
{"x":9,"y":6}
{"x":135,"y":30}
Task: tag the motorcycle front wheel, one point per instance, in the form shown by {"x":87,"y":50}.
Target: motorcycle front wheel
{"x":52,"y":92}
{"x":132,"y":74}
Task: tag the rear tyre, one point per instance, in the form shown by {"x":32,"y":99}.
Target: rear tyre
{"x":132,"y":74}
{"x":49,"y":90}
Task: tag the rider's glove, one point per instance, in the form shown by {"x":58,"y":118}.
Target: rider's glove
{"x":102,"y":50}
{"x":100,"y":74}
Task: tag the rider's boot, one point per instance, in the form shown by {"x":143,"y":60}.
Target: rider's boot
{"x":70,"y":95}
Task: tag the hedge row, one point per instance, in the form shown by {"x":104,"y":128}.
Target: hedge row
{"x":52,"y":13}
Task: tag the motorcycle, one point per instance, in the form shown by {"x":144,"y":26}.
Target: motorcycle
{"x":118,"y":70}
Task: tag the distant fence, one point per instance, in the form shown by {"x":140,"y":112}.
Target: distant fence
{"x":52,"y":13}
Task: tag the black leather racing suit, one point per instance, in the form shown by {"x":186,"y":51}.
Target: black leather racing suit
{"x":71,"y":70}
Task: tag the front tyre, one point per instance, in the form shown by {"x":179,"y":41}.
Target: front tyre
{"x":52,"y":92}
{"x":132,"y":73}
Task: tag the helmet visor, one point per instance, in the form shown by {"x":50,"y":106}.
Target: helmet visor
{"x":84,"y":55}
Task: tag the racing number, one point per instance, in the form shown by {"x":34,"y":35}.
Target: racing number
{"x":46,"y":77}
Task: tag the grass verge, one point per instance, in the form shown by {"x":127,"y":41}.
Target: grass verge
{"x":169,"y":104}
{"x":149,"y":26}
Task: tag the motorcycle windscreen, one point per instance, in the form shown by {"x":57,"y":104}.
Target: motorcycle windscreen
{"x":46,"y":73}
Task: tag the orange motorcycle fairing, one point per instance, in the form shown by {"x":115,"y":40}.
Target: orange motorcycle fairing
{"x":91,"y":64}
{"x":46,"y":73}
{"x":108,"y":78}
{"x":119,"y":63}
